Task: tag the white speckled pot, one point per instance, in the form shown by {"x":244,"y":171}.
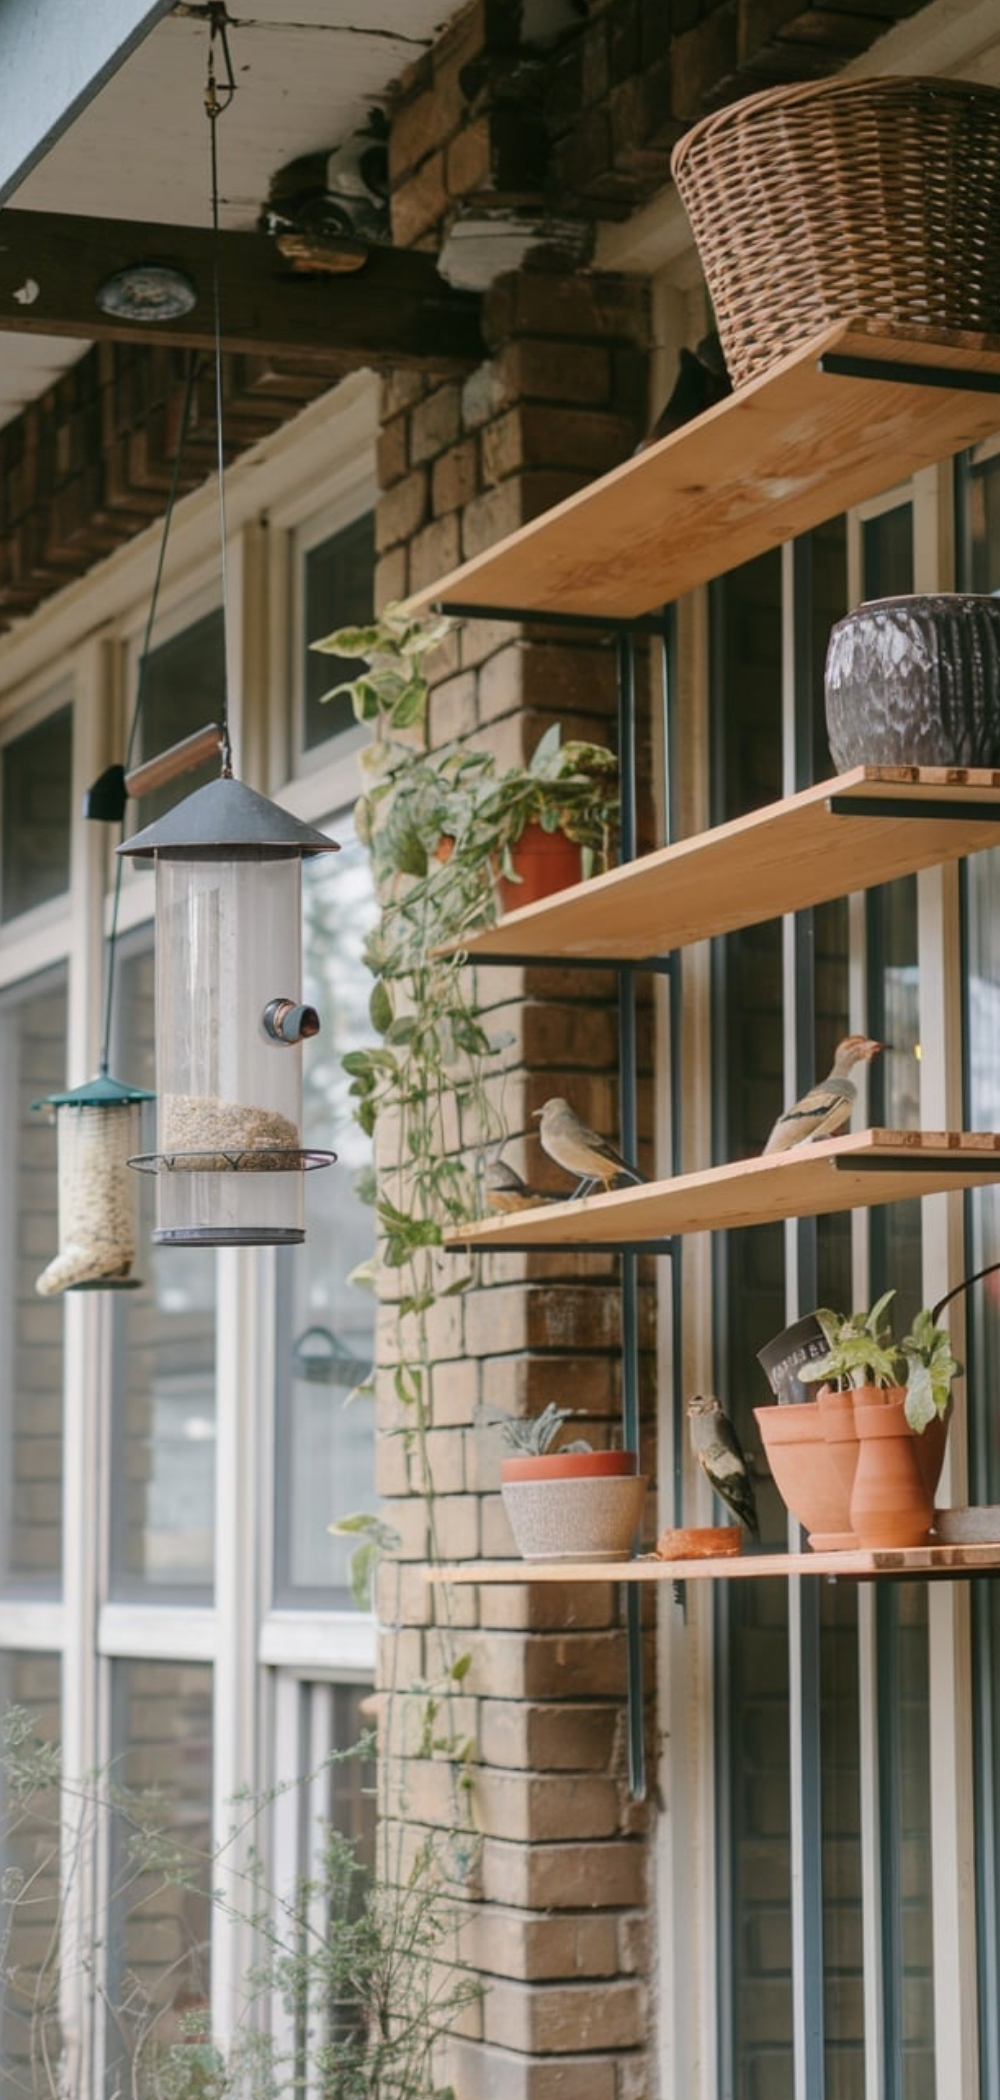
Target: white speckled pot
{"x":592,"y":1519}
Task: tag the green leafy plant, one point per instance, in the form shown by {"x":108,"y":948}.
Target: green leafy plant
{"x":862,"y":1351}
{"x":533,"y":1435}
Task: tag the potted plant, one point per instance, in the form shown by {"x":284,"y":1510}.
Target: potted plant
{"x":883,"y":1409}
{"x":568,"y":1502}
{"x":489,"y":841}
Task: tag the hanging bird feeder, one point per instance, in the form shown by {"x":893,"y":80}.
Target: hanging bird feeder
{"x":229,"y":1019}
{"x":97,"y":1130}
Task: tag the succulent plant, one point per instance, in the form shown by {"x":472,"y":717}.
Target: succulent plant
{"x":535,"y":1434}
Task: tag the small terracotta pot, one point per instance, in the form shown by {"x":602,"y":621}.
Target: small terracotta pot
{"x":567,"y":1465}
{"x":890,"y":1503}
{"x":545,"y":861}
{"x":805,"y":1474}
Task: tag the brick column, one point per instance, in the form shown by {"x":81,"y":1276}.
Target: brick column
{"x":557,"y":1927}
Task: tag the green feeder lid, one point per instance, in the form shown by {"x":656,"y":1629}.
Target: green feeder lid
{"x":97,"y":1093}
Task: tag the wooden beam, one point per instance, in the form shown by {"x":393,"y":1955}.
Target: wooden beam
{"x":54,"y":60}
{"x":396,"y":311}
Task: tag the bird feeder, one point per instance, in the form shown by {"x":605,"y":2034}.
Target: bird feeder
{"x":97,"y":1129}
{"x":229,"y":1019}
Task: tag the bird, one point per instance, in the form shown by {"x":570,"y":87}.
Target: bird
{"x":827,"y":1106}
{"x":719,"y":1453}
{"x":701,"y":381}
{"x":578,"y":1150}
{"x":505,"y":1190}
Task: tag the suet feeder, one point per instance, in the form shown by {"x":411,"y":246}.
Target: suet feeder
{"x":229,"y":1019}
{"x":98,"y":1129}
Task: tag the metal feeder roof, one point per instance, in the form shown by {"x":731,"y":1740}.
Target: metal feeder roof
{"x":103,"y":1092}
{"x":221,"y":818}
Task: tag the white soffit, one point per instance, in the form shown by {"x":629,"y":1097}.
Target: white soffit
{"x":307,"y":73}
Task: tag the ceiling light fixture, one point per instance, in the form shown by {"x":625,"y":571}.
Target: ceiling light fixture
{"x":148,"y":291}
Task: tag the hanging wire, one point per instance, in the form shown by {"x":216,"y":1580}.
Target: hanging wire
{"x":217,"y":101}
{"x":194,"y":365}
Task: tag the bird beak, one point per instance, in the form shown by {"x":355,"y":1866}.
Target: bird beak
{"x":535,"y":1113}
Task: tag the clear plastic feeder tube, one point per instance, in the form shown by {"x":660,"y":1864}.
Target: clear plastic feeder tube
{"x":229,"y":1091}
{"x":98,"y":1197}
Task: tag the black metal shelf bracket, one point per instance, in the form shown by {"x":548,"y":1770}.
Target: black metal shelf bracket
{"x":843,"y":366}
{"x":955,"y":811}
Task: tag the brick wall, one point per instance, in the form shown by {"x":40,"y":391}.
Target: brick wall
{"x":557,"y":1922}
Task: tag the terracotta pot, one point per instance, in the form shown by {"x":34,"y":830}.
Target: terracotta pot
{"x":836,"y":1419}
{"x":545,"y":861}
{"x":890,"y":1504}
{"x":567,"y":1465}
{"x":805,"y":1474}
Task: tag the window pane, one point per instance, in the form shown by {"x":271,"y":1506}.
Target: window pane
{"x":37,"y":775}
{"x":325,"y":1451}
{"x":32,"y":1064}
{"x":183,"y":684}
{"x":29,"y":1884}
{"x":752,"y":1617}
{"x":979,"y":490}
{"x":338,"y":584}
{"x":163,"y":1390}
{"x":160,"y":1932}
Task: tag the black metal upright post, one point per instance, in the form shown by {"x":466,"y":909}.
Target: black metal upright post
{"x":628,"y":1087}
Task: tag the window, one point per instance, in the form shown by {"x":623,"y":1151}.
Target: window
{"x":37,"y":771}
{"x":163,"y":1440}
{"x":325,"y":1452}
{"x":337,"y":585}
{"x":183,"y":686}
{"x":29,"y":1882}
{"x":159,"y":1946}
{"x":32,"y":1064}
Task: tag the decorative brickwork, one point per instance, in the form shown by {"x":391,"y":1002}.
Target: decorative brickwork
{"x":557,"y":1929}
{"x":88,"y":465}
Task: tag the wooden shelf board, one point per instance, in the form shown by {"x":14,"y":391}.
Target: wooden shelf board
{"x":777,"y":457}
{"x":910,"y":1560}
{"x":815,"y":1180}
{"x":787,"y":855}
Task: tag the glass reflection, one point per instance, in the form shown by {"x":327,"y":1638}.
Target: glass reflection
{"x":163,"y":1392}
{"x":32,"y":1064}
{"x":324,"y":1458}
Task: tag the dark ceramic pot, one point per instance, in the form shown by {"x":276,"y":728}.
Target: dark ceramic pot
{"x":783,"y":1358}
{"x":915,"y":682}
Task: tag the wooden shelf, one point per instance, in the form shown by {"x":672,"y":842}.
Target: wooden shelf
{"x":855,"y":1566}
{"x":865,"y":1168}
{"x":777,"y":457}
{"x":783,"y":857}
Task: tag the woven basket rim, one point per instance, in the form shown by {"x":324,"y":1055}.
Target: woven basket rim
{"x":893,"y":86}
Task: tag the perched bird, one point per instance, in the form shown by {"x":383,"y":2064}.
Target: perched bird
{"x":505,"y":1190}
{"x":701,"y":381}
{"x":718,"y":1451}
{"x":828,"y":1104}
{"x":580,"y":1151}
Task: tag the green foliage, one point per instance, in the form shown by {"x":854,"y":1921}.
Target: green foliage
{"x":534,"y":1435}
{"x":863,"y":1352}
{"x":362,"y":1960}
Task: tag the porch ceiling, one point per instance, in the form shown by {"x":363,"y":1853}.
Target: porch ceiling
{"x":308,"y":71}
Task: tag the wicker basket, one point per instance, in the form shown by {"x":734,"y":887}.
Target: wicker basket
{"x":870,"y":199}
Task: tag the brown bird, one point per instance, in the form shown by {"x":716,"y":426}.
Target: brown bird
{"x":827,"y":1106}
{"x":579,"y":1150}
{"x":719,"y":1453}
